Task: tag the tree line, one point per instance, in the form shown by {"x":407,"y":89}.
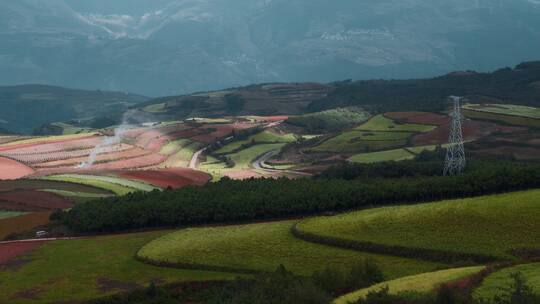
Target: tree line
{"x":230,"y":201}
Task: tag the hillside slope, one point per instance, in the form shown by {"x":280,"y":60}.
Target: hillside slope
{"x":520,"y":85}
{"x":27,"y":107}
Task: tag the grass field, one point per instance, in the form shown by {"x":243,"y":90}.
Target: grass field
{"x":490,"y":225}
{"x":360,"y":141}
{"x":243,"y":158}
{"x":263,"y":247}
{"x":76,"y":270}
{"x":117,"y":185}
{"x":330,"y":120}
{"x":390,"y":155}
{"x":6,"y":214}
{"x":506,"y":109}
{"x":76,"y":196}
{"x":173,"y":146}
{"x":422,"y":283}
{"x":495,"y":283}
{"x":262,"y":137}
{"x":381,"y":123}
{"x":183,"y":156}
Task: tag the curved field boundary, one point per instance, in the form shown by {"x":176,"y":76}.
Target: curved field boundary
{"x":175,"y":178}
{"x":42,"y":184}
{"x":494,"y":283}
{"x":88,"y":179}
{"x":261,"y":247}
{"x":425,"y":282}
{"x":402,"y":251}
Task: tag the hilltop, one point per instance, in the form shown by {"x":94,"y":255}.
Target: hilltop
{"x":27,"y":107}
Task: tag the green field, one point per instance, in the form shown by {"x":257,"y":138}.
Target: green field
{"x":75,"y":270}
{"x":422,"y":283}
{"x":244,"y":158}
{"x":262,"y":137}
{"x":263,"y":247}
{"x":330,"y":120}
{"x":183,"y":156}
{"x":390,"y":155}
{"x":6,"y":214}
{"x":77,"y":196}
{"x":489,"y":225}
{"x":498,"y":281}
{"x":361,"y":141}
{"x":381,"y":123}
{"x":502,"y":118}
{"x":506,"y":109}
{"x":117,"y":185}
{"x":174,"y":146}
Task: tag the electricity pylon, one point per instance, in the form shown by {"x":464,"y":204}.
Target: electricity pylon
{"x":455,"y":153}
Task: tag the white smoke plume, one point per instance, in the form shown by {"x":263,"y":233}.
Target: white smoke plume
{"x":116,"y":139}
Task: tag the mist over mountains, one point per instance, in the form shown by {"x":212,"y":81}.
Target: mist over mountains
{"x":165,"y":47}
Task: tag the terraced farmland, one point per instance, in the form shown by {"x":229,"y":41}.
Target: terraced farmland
{"x":390,"y":155}
{"x":382,"y":123}
{"x":117,"y":185}
{"x":490,"y":225}
{"x":22,"y":223}
{"x":505,"y":109}
{"x":362,"y":141}
{"x":263,"y":247}
{"x":421,"y":283}
{"x":83,"y":269}
{"x":263,"y":137}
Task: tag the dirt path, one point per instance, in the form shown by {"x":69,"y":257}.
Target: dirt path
{"x":258,"y":164}
{"x":194,"y":163}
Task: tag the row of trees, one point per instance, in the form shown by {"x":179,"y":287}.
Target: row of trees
{"x":234,"y":201}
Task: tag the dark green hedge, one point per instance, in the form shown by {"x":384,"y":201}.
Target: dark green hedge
{"x":233,"y":201}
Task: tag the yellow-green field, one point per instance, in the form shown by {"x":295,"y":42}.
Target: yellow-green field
{"x":77,"y":270}
{"x":489,"y":225}
{"x":422,"y":283}
{"x":263,"y":247}
{"x":495,"y":284}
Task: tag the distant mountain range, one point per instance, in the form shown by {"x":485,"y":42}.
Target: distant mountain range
{"x":166,"y":47}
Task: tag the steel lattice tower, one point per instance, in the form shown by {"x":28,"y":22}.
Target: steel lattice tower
{"x":455,"y":154}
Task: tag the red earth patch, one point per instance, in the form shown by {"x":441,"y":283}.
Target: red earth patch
{"x":10,"y":169}
{"x":424,"y":118}
{"x":31,"y":200}
{"x":472,"y":130}
{"x":12,"y":250}
{"x":175,"y":178}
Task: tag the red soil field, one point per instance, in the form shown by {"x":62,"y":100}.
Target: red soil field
{"x":11,"y":169}
{"x":22,"y":223}
{"x":56,"y":145}
{"x":520,"y":153}
{"x":424,"y":118}
{"x":37,"y":158}
{"x":472,"y":130}
{"x":184,"y":134}
{"x":109,"y":157}
{"x":9,"y":251}
{"x":32,"y":200}
{"x":132,"y":163}
{"x":175,"y":178}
